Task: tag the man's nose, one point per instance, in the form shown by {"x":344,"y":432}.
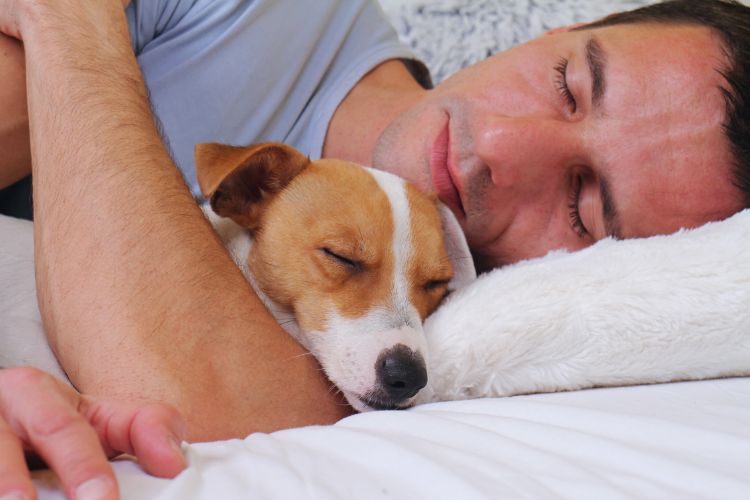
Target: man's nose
{"x":519,"y":150}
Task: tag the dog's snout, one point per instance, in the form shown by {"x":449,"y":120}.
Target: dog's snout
{"x":401,"y":372}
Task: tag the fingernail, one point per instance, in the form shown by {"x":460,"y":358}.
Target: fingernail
{"x":175,"y":444}
{"x":14,"y":495}
{"x":94,"y":489}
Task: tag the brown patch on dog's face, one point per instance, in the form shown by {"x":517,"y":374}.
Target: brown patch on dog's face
{"x":329,"y":235}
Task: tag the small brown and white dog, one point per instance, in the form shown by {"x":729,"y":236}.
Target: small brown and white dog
{"x":350,"y":260}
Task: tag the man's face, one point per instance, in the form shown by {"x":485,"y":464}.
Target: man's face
{"x":573,"y":137}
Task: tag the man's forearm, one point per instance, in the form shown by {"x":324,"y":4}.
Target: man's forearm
{"x":137,"y":294}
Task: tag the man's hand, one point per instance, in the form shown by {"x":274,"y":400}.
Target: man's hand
{"x":74,"y":434}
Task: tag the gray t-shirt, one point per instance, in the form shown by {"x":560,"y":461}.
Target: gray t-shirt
{"x":245,"y":71}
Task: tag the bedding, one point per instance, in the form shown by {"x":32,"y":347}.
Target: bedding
{"x":22,"y":339}
{"x":682,"y":440}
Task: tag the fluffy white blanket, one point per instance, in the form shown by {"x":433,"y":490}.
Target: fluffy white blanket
{"x":620,"y":312}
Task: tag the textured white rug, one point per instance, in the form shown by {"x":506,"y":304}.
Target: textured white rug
{"x":451,"y":34}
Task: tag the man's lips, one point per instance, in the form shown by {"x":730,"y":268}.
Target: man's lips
{"x":442,"y":178}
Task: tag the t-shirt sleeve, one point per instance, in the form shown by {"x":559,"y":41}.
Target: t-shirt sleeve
{"x":147,"y":19}
{"x":245,"y":71}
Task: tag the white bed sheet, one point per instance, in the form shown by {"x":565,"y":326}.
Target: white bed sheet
{"x":680,"y":440}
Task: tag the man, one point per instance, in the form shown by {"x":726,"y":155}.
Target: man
{"x":619,"y":130}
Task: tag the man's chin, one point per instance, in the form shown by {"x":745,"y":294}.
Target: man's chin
{"x":401,"y":149}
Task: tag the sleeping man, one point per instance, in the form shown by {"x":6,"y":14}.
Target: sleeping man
{"x":629,"y":127}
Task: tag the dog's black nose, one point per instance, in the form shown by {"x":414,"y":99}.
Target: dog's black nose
{"x":401,"y":372}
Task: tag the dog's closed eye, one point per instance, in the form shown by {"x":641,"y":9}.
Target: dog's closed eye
{"x":351,"y":264}
{"x":436,"y":284}
{"x":437,"y":288}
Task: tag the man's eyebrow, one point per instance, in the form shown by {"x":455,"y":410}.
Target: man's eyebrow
{"x":609,"y":210}
{"x":596,"y":59}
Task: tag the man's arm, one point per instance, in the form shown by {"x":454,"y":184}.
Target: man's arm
{"x":137,"y":294}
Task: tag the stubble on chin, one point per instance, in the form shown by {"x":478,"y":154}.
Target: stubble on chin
{"x":476,"y":188}
{"x":479,"y":214}
{"x":397,"y":151}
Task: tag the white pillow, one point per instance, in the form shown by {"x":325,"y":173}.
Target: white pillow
{"x":620,"y":312}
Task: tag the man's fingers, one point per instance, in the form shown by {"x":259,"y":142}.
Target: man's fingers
{"x":72,"y":432}
{"x":14,"y":476}
{"x":46,"y":418}
{"x":72,"y":449}
{"x":151,"y":432}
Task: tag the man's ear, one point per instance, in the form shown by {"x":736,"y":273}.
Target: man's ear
{"x":240,"y":181}
{"x":564,"y":29}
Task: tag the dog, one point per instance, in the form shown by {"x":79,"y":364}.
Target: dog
{"x":350,"y":260}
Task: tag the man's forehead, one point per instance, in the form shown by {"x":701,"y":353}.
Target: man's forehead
{"x":663,"y":102}
{"x":669,"y":63}
{"x":669,"y":159}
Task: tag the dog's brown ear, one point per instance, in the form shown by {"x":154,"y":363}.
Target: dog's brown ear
{"x":239,"y":181}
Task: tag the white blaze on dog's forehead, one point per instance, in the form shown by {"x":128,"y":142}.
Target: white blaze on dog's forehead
{"x":395,"y":189}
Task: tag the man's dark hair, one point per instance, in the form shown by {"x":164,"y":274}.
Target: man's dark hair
{"x":731,"y":20}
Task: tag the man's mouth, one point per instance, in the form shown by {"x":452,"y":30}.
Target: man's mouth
{"x":440,"y":169}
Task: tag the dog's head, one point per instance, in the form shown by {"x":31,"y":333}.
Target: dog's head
{"x":357,"y":255}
